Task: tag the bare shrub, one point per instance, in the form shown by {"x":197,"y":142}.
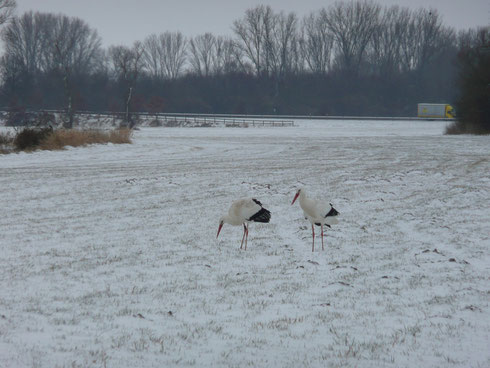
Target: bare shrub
{"x":45,"y":119}
{"x":6,"y":142}
{"x":30,"y":139}
{"x":6,"y":138}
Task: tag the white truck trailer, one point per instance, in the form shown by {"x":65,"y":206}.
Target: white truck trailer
{"x":431,"y":110}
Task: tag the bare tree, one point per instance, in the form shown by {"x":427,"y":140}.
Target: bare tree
{"x":316,"y":43}
{"x":174,"y":52}
{"x":201,"y":54}
{"x":226,"y":56}
{"x":65,"y":70}
{"x":7,"y":8}
{"x":268,"y":40}
{"x":474,"y":38}
{"x":425,"y":38}
{"x":165,"y":54}
{"x":152,"y":56}
{"x":210,"y":55}
{"x":281,"y":45}
{"x":270,"y":52}
{"x":175,"y":46}
{"x":251,"y":32}
{"x":386,"y":44}
{"x":127,"y":65}
{"x":75,"y":51}
{"x":22,"y":42}
{"x":352,"y":25}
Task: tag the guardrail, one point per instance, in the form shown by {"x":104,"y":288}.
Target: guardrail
{"x":203,"y":119}
{"x":229,"y":122}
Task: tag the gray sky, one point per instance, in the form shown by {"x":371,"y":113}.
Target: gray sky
{"x":125,"y":21}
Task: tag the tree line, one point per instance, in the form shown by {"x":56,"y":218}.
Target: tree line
{"x":351,"y":58}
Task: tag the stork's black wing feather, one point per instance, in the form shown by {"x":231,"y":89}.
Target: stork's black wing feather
{"x":257,"y":201}
{"x":318,"y":224}
{"x":262,"y":216}
{"x":332,"y":212}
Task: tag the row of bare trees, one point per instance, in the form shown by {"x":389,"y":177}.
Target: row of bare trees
{"x":354,"y":38}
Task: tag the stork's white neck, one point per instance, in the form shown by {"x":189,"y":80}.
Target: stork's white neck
{"x":306,"y":203}
{"x":302,"y":197}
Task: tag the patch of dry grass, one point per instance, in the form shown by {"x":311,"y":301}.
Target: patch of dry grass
{"x":61,"y":138}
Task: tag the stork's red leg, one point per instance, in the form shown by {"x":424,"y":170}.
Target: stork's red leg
{"x":244,"y":231}
{"x":323,"y":248}
{"x":246,"y":236}
{"x":313,"y":232}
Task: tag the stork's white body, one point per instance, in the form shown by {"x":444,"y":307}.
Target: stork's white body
{"x":243,"y":211}
{"x":315,"y":211}
{"x":319,"y":213}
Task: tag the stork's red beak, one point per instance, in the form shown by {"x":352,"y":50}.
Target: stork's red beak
{"x":219,"y":229}
{"x":295,"y":198}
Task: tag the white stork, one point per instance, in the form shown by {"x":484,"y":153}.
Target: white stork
{"x":243,"y":211}
{"x":319,"y":213}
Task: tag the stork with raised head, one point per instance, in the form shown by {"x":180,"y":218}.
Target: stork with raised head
{"x":319,"y":213}
{"x":243,"y":211}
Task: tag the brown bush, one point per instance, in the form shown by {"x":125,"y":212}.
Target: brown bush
{"x":120,"y":136}
{"x":75,"y":138}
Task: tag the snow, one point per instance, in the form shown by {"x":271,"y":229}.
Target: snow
{"x":110,"y":257}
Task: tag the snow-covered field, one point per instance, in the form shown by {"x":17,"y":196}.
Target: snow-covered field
{"x":109,"y":256}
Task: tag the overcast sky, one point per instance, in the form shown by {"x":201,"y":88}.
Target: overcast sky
{"x":121,"y":22}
